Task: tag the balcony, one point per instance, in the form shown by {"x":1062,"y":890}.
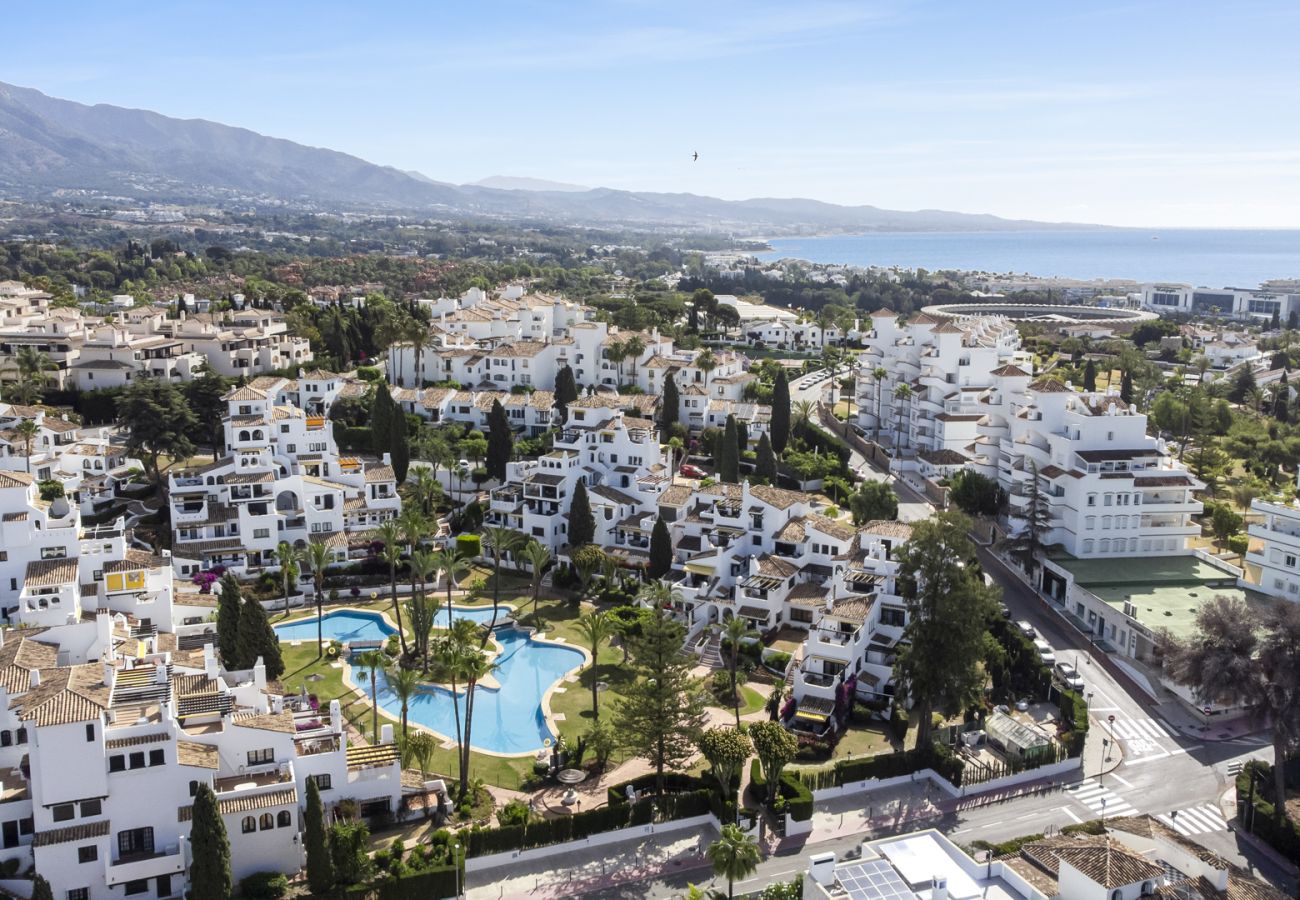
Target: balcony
{"x":1288,"y":535}
{"x":139,"y":866}
{"x":255,"y":778}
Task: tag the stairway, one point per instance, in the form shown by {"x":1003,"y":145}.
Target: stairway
{"x":796,"y":659}
{"x":711,"y":655}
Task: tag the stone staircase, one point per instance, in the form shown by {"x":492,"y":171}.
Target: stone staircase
{"x":711,"y":655}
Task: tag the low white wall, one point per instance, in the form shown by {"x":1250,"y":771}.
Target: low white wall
{"x":872,"y":785}
{"x":491,"y":861}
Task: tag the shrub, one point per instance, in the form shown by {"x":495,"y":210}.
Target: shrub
{"x":777,"y":660}
{"x":1239,"y":544}
{"x":469,"y":546}
{"x":50,"y":490}
{"x":264,"y":886}
{"x":515,"y":812}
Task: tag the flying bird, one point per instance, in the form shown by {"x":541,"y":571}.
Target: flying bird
{"x":696,"y":156}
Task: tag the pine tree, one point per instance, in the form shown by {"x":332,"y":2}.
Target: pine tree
{"x":670,"y":405}
{"x":381,"y":420}
{"x":400,"y":447}
{"x":209,"y":849}
{"x":729,"y":464}
{"x":1126,"y":387}
{"x":661,"y":550}
{"x":228,"y":604}
{"x":499,"y":441}
{"x":1090,"y":376}
{"x":765,"y":460}
{"x":320,"y":866}
{"x":582,"y":524}
{"x":566,"y":391}
{"x":257,"y":639}
{"x":1243,"y":386}
{"x":780,"y":424}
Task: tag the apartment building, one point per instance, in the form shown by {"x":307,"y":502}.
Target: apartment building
{"x":1273,"y":561}
{"x":281,"y":478}
{"x":113,"y":354}
{"x":105,"y":755}
{"x":1236,"y":303}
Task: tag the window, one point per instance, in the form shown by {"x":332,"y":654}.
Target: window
{"x":91,"y":808}
{"x":90,"y":731}
{"x":249,"y":825}
{"x":137,"y":759}
{"x":116,"y":763}
{"x":54,"y":552}
{"x":1290,"y":561}
{"x":267,"y":822}
{"x":322,"y":782}
{"x":893,"y":616}
{"x":63,"y":812}
{"x":135,"y":842}
{"x":1092,"y":499}
{"x":86,"y":854}
{"x":21,"y":735}
{"x":259,"y":757}
{"x":79,"y":894}
{"x":10,"y":834}
{"x":284,"y":818}
{"x":157,"y":757}
{"x":137,"y":887}
{"x":6,"y":738}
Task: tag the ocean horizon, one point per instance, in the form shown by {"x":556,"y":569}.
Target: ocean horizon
{"x":1216,"y":258}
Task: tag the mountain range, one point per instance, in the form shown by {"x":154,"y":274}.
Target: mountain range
{"x":48,"y":144}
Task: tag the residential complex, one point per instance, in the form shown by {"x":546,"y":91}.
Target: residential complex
{"x":1235,"y":303}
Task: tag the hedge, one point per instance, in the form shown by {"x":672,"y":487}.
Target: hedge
{"x":353,"y":439}
{"x":796,"y":794}
{"x":1283,"y":837}
{"x":881,"y":766}
{"x":469,"y":546}
{"x":440,"y":881}
{"x":674,"y":783}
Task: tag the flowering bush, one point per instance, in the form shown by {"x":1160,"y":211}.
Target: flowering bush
{"x":205,"y":580}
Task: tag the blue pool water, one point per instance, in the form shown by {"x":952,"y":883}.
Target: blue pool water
{"x":506,"y":720}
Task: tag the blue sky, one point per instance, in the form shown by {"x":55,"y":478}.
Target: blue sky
{"x":1131,"y":113}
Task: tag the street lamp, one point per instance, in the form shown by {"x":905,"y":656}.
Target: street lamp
{"x":1105,"y":746}
{"x":455,"y":861}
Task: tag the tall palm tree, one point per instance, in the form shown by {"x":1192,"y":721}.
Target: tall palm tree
{"x":425,"y":488}
{"x":476,"y":667}
{"x":735,"y":631}
{"x":418,"y":749}
{"x":414,"y":526}
{"x":453,"y":569}
{"x":633,"y":347}
{"x":501,"y":541}
{"x":706,"y":362}
{"x":453,"y":649}
{"x":734,"y":856}
{"x":677,"y":452}
{"x":902,"y":394}
{"x":404,"y":683}
{"x":539,"y":557}
{"x":614,"y":351}
{"x":597,"y":628}
{"x":416,"y":333}
{"x":878,"y":374}
{"x":289,"y":558}
{"x":390,"y":533}
{"x":424,"y":566}
{"x":27,"y":430}
{"x":32,"y":368}
{"x":319,"y":556}
{"x":374,"y":660}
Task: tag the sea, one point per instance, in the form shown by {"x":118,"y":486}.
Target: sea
{"x":1200,"y":257}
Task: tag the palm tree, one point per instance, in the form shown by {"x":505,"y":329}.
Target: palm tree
{"x":902,"y":394}
{"x":32,"y":368}
{"x":373,"y":660}
{"x":677,"y":451}
{"x":453,"y":649}
{"x":501,"y":541}
{"x":404,"y":683}
{"x":413,"y":527}
{"x":879,"y":374}
{"x":633,"y":347}
{"x":802,"y":412}
{"x":706,"y":362}
{"x":425,"y":488}
{"x":391,"y":535}
{"x":319,"y":556}
{"x":596,"y":628}
{"x":585,"y":568}
{"x":416,"y":333}
{"x":734,"y":856}
{"x":289,"y":558}
{"x":418,"y":749}
{"x":735,"y":631}
{"x":477,"y":666}
{"x":423,"y":565}
{"x":614,"y":351}
{"x":452,"y":568}
{"x":539,"y":557}
{"x":27,"y":429}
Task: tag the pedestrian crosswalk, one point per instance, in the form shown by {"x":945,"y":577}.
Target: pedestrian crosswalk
{"x":1141,"y":729}
{"x":1195,"y":820}
{"x":1101,"y":800}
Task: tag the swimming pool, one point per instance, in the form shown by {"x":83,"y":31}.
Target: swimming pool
{"x":508,"y":719}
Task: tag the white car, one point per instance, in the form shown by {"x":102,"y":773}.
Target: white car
{"x":1069,"y":676}
{"x":1026,"y":629}
{"x":1045,"y":652}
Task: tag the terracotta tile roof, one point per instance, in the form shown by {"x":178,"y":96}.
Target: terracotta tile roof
{"x":1049,"y":386}
{"x":80,"y":832}
{"x":778,"y":497}
{"x":249,"y":803}
{"x":887,"y":528}
{"x":18,"y":657}
{"x":135,"y":560}
{"x":853,"y":609}
{"x":676,"y":495}
{"x":833,"y":527}
{"x":15,"y":479}
{"x":1149,"y":826}
{"x":246,"y":392}
{"x":776,"y":566}
{"x":806,"y":593}
{"x":51,"y":572}
{"x":380,"y":473}
{"x":66,"y":695}
{"x":1103,"y":860}
{"x":138,"y":740}
{"x":1010,"y":371}
{"x":200,"y":756}
{"x":792,"y":531}
{"x":282,"y":722}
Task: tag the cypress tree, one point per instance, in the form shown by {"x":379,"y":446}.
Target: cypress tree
{"x":381,"y":420}
{"x":1090,"y":376}
{"x":257,"y":638}
{"x":661,"y":550}
{"x":320,"y":867}
{"x":742,"y":438}
{"x":671,"y":404}
{"x":582,"y":524}
{"x":780,"y":424}
{"x":729,"y":464}
{"x":41,"y":888}
{"x":400,"y":447}
{"x":499,"y":441}
{"x":228,"y":621}
{"x":1275,"y":322}
{"x":566,"y":391}
{"x":210,"y":861}
{"x":1126,"y":388}
{"x":765,"y":462}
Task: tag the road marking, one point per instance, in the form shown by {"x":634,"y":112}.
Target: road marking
{"x":1101,"y":800}
{"x":1066,"y":810}
{"x":1025,"y":816}
{"x":1122,"y":781}
{"x":1137,"y":729}
{"x":1196,"y":820}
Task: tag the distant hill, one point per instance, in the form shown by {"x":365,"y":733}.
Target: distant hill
{"x":48,"y":144}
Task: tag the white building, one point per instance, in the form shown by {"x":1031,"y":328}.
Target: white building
{"x":1273,"y":560}
{"x":1236,"y":303}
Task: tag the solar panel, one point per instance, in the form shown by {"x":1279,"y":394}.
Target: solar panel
{"x":873,"y":880}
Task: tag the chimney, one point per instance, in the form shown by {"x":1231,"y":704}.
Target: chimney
{"x":386,"y":733}
{"x":259,"y":674}
{"x":209,"y":662}
{"x":821,"y":868}
{"x":336,"y":717}
{"x":160,"y":674}
{"x":36,"y":679}
{"x":939,"y":891}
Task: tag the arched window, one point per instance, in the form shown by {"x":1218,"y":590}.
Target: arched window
{"x":1116,"y":895}
{"x":243,"y":435}
{"x":249,"y":825}
{"x":284,"y":819}
{"x":268,"y":821}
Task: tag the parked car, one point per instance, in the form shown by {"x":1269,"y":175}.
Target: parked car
{"x":1069,"y":676}
{"x":1045,"y":652}
{"x":691,"y":471}
{"x":1026,"y":629}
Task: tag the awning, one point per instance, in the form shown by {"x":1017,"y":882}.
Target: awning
{"x":810,"y":716}
{"x":699,"y":569}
